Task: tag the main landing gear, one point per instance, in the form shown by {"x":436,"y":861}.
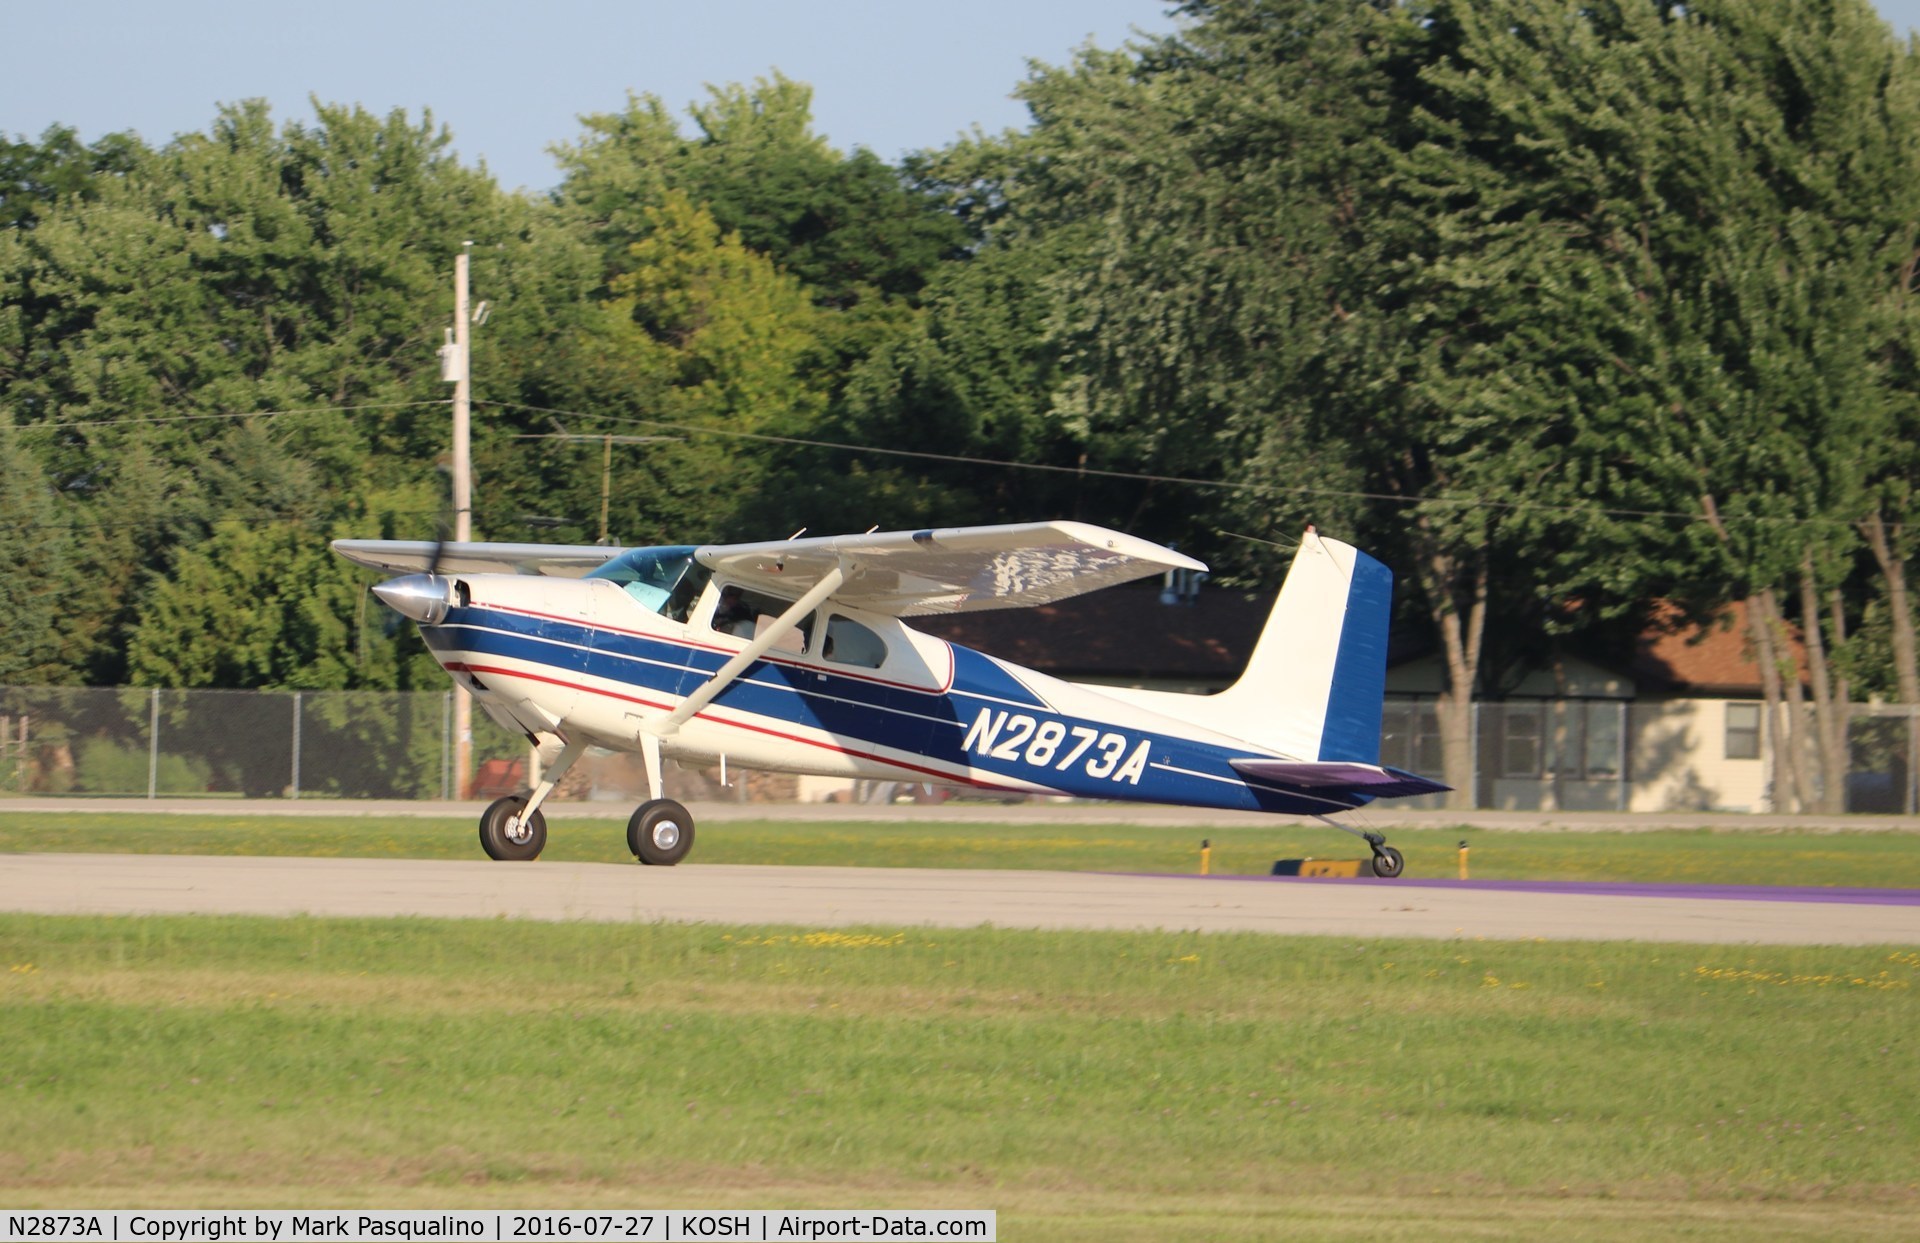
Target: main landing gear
{"x":660,"y":833}
{"x":512,"y":829}
{"x":1387,"y":862}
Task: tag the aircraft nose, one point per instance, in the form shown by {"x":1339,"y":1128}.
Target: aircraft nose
{"x":424,"y":598}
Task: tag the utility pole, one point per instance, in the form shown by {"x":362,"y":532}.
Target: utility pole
{"x":606,"y":442}
{"x":462,"y":498}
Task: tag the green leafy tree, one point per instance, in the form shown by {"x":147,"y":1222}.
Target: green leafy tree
{"x":702,"y":340}
{"x":848,"y":227}
{"x":36,"y":547}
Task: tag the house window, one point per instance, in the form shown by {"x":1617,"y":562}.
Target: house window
{"x":1588,"y":748}
{"x":1743,"y":731}
{"x":1605,"y":741}
{"x":1520,"y":752}
{"x":1410,"y":736}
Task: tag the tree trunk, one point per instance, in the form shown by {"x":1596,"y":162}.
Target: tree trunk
{"x":1829,"y":705}
{"x":1885,"y":541}
{"x":1779,"y":741}
{"x":1460,"y":639}
{"x":1787,"y":787}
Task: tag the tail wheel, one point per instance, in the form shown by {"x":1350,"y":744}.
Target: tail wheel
{"x":660,"y":833}
{"x":508,"y":836}
{"x":1387,"y":863}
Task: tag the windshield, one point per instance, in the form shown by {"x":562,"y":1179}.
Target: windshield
{"x":664,"y":580}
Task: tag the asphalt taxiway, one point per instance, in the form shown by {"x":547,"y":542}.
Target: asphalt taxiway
{"x":825,"y":897}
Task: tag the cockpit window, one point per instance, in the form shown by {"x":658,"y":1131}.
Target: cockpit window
{"x":665,"y":580}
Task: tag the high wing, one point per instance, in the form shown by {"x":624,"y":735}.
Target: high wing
{"x":949,"y":569}
{"x":417,"y":556}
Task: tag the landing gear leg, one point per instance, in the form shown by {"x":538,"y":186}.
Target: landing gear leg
{"x":661,"y":831}
{"x":512,"y":828}
{"x":1387,"y":862}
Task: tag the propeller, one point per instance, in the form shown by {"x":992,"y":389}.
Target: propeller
{"x":424,"y":598}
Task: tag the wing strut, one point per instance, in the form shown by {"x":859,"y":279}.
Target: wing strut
{"x":753,"y":651}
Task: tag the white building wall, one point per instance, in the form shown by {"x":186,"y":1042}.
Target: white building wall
{"x":1679,"y":760}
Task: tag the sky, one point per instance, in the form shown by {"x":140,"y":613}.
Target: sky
{"x":509,"y":78}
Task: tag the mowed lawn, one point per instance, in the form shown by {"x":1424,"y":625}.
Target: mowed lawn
{"x":1750,"y":857}
{"x":1085,"y":1085}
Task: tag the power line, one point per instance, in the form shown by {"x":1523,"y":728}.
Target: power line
{"x":82,"y":424}
{"x":1176,"y":480}
{"x":1086,"y":472}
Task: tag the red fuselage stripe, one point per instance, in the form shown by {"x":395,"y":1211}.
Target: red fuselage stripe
{"x":497,"y":671}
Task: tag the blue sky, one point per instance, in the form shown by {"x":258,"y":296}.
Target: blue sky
{"x":511,"y":78}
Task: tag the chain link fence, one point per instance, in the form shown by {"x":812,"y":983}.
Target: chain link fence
{"x":1601,"y":755}
{"x":255,"y":744}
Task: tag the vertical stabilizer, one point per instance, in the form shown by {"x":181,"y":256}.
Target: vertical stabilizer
{"x":1314,"y":687}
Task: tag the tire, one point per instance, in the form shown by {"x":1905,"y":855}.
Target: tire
{"x":1388,"y":863}
{"x":660,"y":833}
{"x":507,"y":840}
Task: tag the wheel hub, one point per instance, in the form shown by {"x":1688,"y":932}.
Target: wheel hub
{"x":518,"y":831}
{"x":666,"y":835}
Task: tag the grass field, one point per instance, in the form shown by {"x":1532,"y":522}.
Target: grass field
{"x":1732,"y":857}
{"x":1085,"y":1085}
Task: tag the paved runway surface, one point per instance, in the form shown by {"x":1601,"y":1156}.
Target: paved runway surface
{"x":1378,"y":816}
{"x":838,"y":897}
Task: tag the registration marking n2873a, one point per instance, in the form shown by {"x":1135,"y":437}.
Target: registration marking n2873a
{"x":1053,"y":745}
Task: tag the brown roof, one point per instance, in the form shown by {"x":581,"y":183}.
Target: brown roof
{"x":1715,"y":659}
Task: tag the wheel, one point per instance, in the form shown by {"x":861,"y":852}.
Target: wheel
{"x":506,"y":836}
{"x":660,"y":833}
{"x":1387,"y":863}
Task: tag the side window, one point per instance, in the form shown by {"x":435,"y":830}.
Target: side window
{"x":746,"y":614}
{"x":850,"y":643}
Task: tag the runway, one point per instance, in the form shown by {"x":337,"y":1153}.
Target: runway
{"x":915,"y":897}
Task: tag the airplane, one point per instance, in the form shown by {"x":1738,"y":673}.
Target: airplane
{"x":794,"y":656}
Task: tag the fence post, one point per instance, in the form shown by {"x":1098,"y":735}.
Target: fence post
{"x":1911,"y":795}
{"x":446,"y":743}
{"x":296,"y":745}
{"x":1473,"y":749}
{"x":153,"y":744}
{"x":1623,"y":795}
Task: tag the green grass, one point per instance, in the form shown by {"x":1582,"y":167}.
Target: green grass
{"x":1087,"y":1085}
{"x":1753,"y":857}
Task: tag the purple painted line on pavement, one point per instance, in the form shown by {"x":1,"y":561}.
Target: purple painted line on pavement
{"x":1617,"y":889}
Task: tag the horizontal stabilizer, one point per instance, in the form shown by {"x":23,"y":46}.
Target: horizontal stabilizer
{"x":1337,"y":776}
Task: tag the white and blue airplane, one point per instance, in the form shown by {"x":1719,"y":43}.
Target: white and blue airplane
{"x":792,"y":656}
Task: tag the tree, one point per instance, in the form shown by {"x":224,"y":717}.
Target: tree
{"x":295,"y":273}
{"x":36,"y":548}
{"x":702,"y":340}
{"x":848,"y":227}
